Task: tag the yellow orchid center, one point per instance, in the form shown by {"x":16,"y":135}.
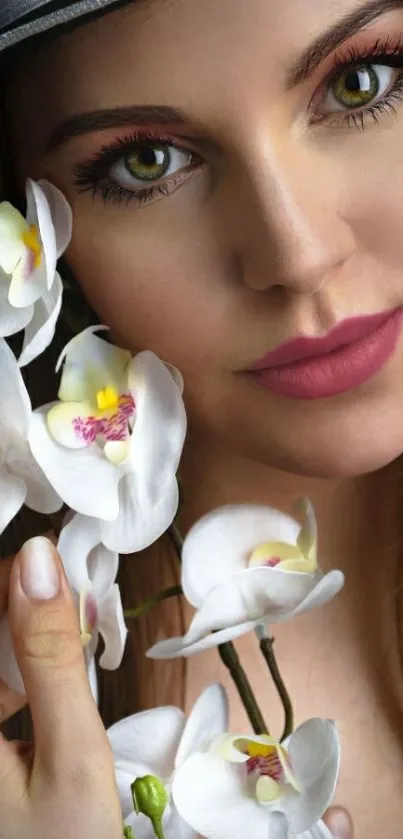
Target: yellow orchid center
{"x":32,"y":241}
{"x":283,"y":556}
{"x":108,"y":398}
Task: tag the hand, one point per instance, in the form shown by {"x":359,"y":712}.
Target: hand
{"x":64,"y":783}
{"x":10,"y":702}
{"x":339,"y":823}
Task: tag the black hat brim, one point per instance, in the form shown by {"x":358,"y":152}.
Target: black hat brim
{"x":21,"y":19}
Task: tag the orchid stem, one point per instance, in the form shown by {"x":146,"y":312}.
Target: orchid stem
{"x":176,"y":539}
{"x":173,"y":591}
{"x":230,"y":658}
{"x":266,"y":648}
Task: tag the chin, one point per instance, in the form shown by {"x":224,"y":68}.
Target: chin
{"x":353,"y":434}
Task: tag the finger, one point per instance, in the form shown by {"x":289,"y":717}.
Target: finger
{"x":10,"y":702}
{"x":339,"y":822}
{"x":48,"y":649}
{"x":5,"y":570}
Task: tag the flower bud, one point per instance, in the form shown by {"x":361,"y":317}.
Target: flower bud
{"x":151,"y":798}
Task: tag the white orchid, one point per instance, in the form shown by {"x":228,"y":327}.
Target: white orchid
{"x":91,"y":573}
{"x":253,"y":785}
{"x":21,"y":479}
{"x":245,"y":566}
{"x":30,"y":287}
{"x":158,"y":742}
{"x":112,"y":444}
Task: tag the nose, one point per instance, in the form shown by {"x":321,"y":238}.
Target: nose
{"x":285,"y":225}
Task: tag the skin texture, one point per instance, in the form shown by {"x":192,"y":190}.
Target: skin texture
{"x":283,"y":227}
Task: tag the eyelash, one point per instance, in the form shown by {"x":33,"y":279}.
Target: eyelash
{"x":92,"y":175}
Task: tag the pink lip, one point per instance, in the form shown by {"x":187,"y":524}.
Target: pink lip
{"x":310,"y":368}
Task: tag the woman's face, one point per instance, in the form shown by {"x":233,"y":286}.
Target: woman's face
{"x":264,"y":208}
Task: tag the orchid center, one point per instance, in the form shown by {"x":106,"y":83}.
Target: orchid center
{"x":88,"y":615}
{"x":283,"y":556}
{"x":269,"y":770}
{"x":32,"y":241}
{"x":108,"y":399}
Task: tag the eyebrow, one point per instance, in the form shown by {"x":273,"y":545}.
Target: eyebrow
{"x":101,"y":120}
{"x":323,"y":45}
{"x":299,"y":72}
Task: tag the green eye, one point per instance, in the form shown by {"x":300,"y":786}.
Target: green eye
{"x":148,"y":163}
{"x":356,"y":86}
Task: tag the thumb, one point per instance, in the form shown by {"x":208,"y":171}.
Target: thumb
{"x":45,"y":630}
{"x":339,"y":822}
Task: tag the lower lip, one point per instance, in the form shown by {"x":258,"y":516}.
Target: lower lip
{"x":338,"y":371}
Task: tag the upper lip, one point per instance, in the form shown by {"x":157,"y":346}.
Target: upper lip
{"x":303,"y":346}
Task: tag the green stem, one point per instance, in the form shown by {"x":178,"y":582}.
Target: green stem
{"x":176,"y":539}
{"x":230,"y":658}
{"x":266,"y":647}
{"x":157,"y":825}
{"x":173,"y":591}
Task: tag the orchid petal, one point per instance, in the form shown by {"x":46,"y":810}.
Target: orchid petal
{"x":85,"y":480}
{"x":221,"y":541}
{"x":136,"y":527}
{"x":61,"y":213}
{"x":112,"y":628}
{"x":86,"y":561}
{"x":27,"y":286}
{"x":255,"y":594}
{"x":40,"y":495}
{"x":76,"y":541}
{"x":15,"y":410}
{"x":149,"y":737}
{"x":103,"y":567}
{"x":11,"y":320}
{"x":210,"y":796}
{"x":39,"y":213}
{"x":314,"y":752}
{"x":177,"y":376}
{"x":160,"y":427}
{"x":208,"y":718}
{"x":318,"y":831}
{"x":90,"y":365}
{"x":325,"y":589}
{"x":41,"y":329}
{"x":177,"y":647}
{"x":92,"y":678}
{"x":12,"y":228}
{"x":9,"y":671}
{"x":308,"y":536}
{"x":12,"y":496}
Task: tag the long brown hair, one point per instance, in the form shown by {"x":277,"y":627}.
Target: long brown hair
{"x":140,"y":682}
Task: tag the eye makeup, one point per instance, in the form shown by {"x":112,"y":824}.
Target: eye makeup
{"x":356,"y":65}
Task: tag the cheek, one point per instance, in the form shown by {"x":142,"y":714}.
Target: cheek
{"x":372,"y":195}
{"x":149,"y":284}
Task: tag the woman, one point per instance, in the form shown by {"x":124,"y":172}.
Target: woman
{"x":275,"y":214}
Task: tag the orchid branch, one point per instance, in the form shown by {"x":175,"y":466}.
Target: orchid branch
{"x":230,"y":658}
{"x":176,"y":539}
{"x":266,"y":648}
{"x":138,"y":611}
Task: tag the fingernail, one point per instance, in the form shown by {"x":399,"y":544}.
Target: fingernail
{"x":39,"y":574}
